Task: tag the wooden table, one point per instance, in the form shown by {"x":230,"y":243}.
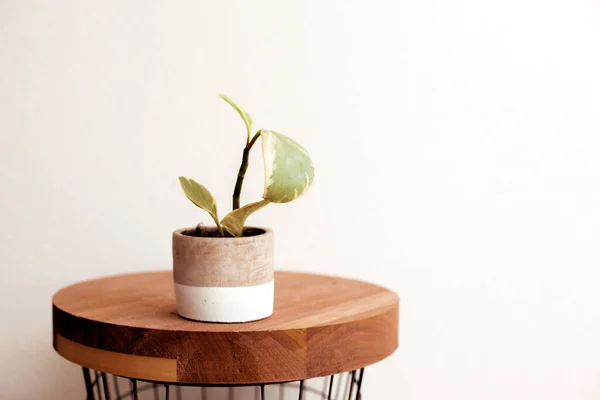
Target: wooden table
{"x":127,"y":325}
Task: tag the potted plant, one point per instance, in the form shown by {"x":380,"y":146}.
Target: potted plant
{"x":225,"y":273}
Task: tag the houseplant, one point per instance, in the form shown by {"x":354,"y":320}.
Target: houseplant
{"x":225,"y":273}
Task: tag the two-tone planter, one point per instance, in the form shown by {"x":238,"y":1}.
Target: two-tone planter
{"x":224,"y":279}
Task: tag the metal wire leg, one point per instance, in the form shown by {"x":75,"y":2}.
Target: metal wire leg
{"x":359,"y":384}
{"x":97,"y":384}
{"x":330,"y":387}
{"x":352,"y":378}
{"x":89,"y":390}
{"x":134,"y":391}
{"x":105,"y":386}
{"x":352,"y":385}
{"x":301,"y":390}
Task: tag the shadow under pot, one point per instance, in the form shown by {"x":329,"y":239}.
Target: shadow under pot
{"x":223,"y":279}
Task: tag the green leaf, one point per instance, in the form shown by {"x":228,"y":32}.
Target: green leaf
{"x":200,"y":196}
{"x":234,"y":221}
{"x":245,"y":116}
{"x":289,"y":171}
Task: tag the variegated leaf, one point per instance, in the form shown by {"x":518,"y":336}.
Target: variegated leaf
{"x":200,"y":196}
{"x":235,"y":220}
{"x":289,"y":171}
{"x":245,"y":116}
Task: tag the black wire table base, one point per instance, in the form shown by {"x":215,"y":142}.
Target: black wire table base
{"x":102,"y":386}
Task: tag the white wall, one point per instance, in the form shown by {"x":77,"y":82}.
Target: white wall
{"x":456,"y":150}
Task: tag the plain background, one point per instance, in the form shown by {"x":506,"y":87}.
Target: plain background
{"x":456,"y":146}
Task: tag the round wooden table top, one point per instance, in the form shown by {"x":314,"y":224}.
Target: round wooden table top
{"x":127,"y":325}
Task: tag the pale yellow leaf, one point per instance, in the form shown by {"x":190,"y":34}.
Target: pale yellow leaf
{"x":200,"y":196}
{"x":289,"y":171}
{"x":234,"y":221}
{"x":245,"y":116}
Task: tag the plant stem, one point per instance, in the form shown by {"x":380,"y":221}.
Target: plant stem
{"x":242,"y":172}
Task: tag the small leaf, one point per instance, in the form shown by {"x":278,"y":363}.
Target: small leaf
{"x":234,"y":221}
{"x":245,"y":116}
{"x":200,"y":196}
{"x":289,"y":171}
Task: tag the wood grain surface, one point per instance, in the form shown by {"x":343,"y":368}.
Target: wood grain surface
{"x":321,"y":325}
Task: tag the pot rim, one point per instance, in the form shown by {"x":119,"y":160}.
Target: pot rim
{"x":180,"y":233}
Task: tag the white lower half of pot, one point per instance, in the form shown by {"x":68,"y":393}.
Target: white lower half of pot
{"x":225,"y":304}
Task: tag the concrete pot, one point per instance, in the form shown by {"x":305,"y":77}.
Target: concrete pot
{"x":224,"y":279}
